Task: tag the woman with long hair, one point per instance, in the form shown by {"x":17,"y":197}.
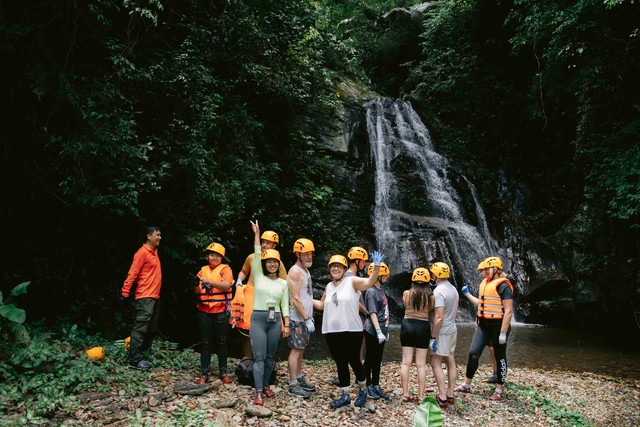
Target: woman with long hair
{"x":415,"y":330}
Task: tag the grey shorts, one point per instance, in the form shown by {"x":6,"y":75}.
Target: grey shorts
{"x":446,"y":343}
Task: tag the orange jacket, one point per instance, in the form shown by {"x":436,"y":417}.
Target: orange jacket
{"x":215,"y":301}
{"x":489,"y":302}
{"x":146,"y":272}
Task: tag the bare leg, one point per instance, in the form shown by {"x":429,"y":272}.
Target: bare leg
{"x":452,"y":374}
{"x":295,"y":363}
{"x":438,"y":373}
{"x":421,"y":363}
{"x":407,"y":357}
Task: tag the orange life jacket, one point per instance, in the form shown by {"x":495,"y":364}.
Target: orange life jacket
{"x":489,"y":302}
{"x":216,"y":300}
{"x":242,"y":307}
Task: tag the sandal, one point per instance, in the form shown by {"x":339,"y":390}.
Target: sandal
{"x":462,"y":389}
{"x":443,"y":403}
{"x":496,"y":397}
{"x":406,"y":399}
{"x":451,"y":401}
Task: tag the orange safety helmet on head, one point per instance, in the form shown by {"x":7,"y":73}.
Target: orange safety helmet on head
{"x":338,"y":259}
{"x":384,"y":270}
{"x":270,"y":254}
{"x":493,"y":261}
{"x":357,"y":252}
{"x":215,"y":247}
{"x":271,"y":236}
{"x":420,"y":274}
{"x":482,"y":266}
{"x":440,"y":270}
{"x":303,"y":245}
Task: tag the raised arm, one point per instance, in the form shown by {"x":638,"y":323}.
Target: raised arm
{"x":256,"y":267}
{"x":362,"y":284}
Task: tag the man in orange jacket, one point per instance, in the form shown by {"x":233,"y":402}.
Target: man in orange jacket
{"x":146,"y":272}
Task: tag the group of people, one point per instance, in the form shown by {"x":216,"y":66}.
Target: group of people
{"x":275,"y":303}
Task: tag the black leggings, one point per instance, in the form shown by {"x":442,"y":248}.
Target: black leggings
{"x":213,"y":328}
{"x":345,"y":350}
{"x":488,"y":334}
{"x":373,"y":359}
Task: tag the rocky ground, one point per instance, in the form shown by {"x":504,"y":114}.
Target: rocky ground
{"x":533,"y":398}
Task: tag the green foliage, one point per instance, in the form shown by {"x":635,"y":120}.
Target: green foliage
{"x":552,"y":407}
{"x":44,"y":376}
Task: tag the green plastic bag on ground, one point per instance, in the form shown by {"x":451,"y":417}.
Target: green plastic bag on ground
{"x":428,"y":414}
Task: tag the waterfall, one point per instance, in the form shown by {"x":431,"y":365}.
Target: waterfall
{"x":419,"y":216}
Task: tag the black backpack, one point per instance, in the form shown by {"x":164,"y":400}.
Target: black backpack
{"x":244,"y":372}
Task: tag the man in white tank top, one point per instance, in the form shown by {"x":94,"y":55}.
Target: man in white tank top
{"x":301,"y":316}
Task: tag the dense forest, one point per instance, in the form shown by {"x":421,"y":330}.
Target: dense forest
{"x":189,"y":115}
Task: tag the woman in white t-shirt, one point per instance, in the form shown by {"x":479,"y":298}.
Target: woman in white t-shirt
{"x":342,"y":326}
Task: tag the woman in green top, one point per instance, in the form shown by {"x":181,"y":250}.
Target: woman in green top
{"x":270,"y":305}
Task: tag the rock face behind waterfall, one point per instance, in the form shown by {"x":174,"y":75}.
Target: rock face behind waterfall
{"x":419,"y":208}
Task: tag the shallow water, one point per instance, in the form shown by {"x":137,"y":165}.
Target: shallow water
{"x":531,"y":346}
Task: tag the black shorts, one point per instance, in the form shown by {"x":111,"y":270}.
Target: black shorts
{"x":415,"y":333}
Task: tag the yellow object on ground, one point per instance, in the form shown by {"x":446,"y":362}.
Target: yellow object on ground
{"x":95,"y":353}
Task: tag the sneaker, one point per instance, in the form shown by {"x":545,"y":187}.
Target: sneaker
{"x":379,"y":392}
{"x":305,"y":385}
{"x":225,"y":379}
{"x":259,"y":400}
{"x":362,"y":398}
{"x":202,"y":379}
{"x":372,"y":393}
{"x":492,"y":379}
{"x":268,"y":392}
{"x":152,"y":359}
{"x":141,"y":366}
{"x":495,"y":397}
{"x":298,"y":391}
{"x":343,"y":401}
{"x":335,"y":381}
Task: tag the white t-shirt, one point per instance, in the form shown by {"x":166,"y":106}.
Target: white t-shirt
{"x":341,"y":308}
{"x":446,"y":296}
{"x":306,"y":296}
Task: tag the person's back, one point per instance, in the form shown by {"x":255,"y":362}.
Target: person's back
{"x":446,"y":295}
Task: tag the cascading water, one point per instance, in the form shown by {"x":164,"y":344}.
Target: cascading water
{"x":418,"y":215}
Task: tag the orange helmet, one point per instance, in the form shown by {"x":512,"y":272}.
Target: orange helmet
{"x":384,"y":270}
{"x":303,"y":245}
{"x":338,"y":259}
{"x":493,"y":261}
{"x":216,"y":247}
{"x":440,"y":270}
{"x":271,"y":236}
{"x":270,"y":254}
{"x":357,"y":252}
{"x":420,"y":274}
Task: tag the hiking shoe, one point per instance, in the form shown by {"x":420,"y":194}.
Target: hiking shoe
{"x":202,"y":379}
{"x":462,"y":388}
{"x":225,"y":379}
{"x":298,"y":391}
{"x":344,"y":400}
{"x":372,"y":393}
{"x":335,"y":381}
{"x":377,"y":390}
{"x":492,"y":379}
{"x":152,"y":359}
{"x":495,"y":397}
{"x":268,"y":392}
{"x":141,"y":365}
{"x":305,"y":385}
{"x":259,"y":400}
{"x":362,"y":398}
